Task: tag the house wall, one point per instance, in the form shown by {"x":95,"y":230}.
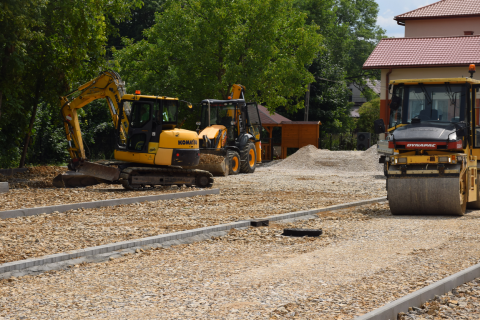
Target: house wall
{"x":441,"y":27}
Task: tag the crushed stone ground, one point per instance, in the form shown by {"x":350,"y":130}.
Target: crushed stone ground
{"x":365,"y":259}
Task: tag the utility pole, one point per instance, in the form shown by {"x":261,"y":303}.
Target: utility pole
{"x":307,"y":102}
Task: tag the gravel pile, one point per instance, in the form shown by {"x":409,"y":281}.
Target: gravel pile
{"x":269,"y":163}
{"x":460,"y":303}
{"x":355,"y":267}
{"x":311,"y":158}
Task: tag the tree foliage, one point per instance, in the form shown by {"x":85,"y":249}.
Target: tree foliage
{"x":192,"y":49}
{"x":350,"y":34}
{"x":198,"y":48}
{"x":64,"y":46}
{"x":369,"y":112}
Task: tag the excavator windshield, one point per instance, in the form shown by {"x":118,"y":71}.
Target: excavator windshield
{"x":443,"y":103}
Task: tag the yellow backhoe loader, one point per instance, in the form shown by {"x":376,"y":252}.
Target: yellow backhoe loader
{"x":432,"y":145}
{"x":229,"y":130}
{"x":149,"y":149}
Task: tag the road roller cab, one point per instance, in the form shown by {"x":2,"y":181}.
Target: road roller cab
{"x":431,"y":146}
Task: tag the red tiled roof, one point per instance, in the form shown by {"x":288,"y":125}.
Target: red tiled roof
{"x":425,"y":52}
{"x":266,"y":118}
{"x":444,"y":8}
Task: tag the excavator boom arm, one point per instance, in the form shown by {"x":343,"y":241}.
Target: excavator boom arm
{"x":107,"y":85}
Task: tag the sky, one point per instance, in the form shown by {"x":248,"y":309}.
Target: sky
{"x":390,"y":8}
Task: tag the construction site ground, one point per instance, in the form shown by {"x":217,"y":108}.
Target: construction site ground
{"x":365,"y":258}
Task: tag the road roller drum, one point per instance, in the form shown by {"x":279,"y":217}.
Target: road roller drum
{"x":426,"y":196}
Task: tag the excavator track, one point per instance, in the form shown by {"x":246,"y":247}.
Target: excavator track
{"x":141,"y":178}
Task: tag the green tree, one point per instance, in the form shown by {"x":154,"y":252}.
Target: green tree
{"x":141,"y":19}
{"x":369,"y":112}
{"x":18,"y":23}
{"x":198,"y":48}
{"x":67,"y":46}
{"x":350,"y":34}
{"x":328,"y":97}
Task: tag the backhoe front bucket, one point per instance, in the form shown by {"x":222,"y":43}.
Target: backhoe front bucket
{"x":213,"y":161}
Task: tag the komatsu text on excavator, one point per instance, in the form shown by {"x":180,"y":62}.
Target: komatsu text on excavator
{"x":432,"y":145}
{"x":149,"y":149}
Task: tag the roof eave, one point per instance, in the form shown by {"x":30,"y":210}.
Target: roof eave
{"x":403,"y":19}
{"x":417,"y":66}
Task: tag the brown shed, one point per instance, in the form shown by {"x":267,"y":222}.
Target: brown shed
{"x":298,"y":134}
{"x":295,"y":134}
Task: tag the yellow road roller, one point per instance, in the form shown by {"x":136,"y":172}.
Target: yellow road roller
{"x":431,"y":146}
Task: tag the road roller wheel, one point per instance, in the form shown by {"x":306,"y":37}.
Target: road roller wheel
{"x":427,"y":196}
{"x":463,"y":195}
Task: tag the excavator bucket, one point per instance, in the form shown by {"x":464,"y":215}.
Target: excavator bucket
{"x":213,"y":161}
{"x":88,"y":174}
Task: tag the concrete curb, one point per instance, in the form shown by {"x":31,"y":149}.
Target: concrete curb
{"x":419,"y":297}
{"x":102,"y":203}
{"x":28,"y":263}
{"x":3,"y":187}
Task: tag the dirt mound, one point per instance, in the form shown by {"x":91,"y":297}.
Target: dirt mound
{"x":35,"y":177}
{"x":311,"y":158}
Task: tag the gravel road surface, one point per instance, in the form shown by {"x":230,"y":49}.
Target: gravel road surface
{"x":365,"y":259}
{"x":264,"y":193}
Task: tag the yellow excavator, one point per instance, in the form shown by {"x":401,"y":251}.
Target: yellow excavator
{"x":230,"y":130}
{"x":149,"y":148}
{"x":431,"y":147}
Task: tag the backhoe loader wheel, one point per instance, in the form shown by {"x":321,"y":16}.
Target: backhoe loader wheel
{"x":233,"y":162}
{"x":248,"y":156}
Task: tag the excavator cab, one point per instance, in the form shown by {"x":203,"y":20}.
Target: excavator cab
{"x":147,"y":118}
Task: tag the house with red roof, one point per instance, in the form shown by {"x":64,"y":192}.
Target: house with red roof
{"x":441,"y":40}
